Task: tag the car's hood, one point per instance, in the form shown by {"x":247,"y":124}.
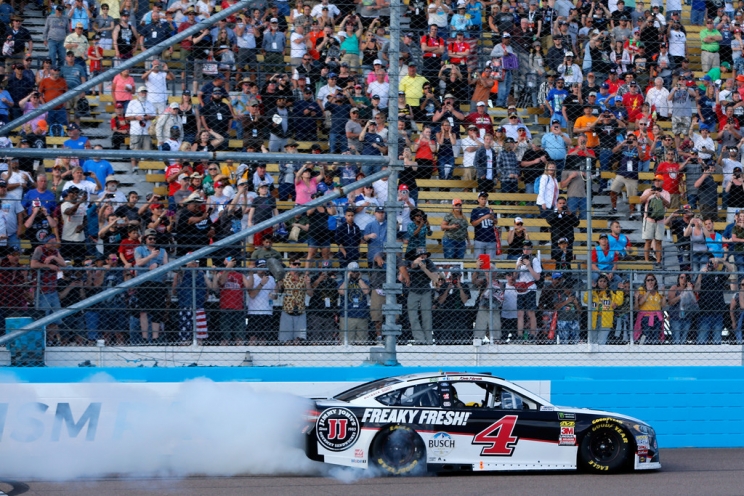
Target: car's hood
{"x":589,"y":411}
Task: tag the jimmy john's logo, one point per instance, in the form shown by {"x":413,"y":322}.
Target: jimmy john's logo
{"x":337,"y":429}
{"x":429,"y":417}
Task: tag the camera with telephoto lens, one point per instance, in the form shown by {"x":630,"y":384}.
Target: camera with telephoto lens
{"x":655,"y":189}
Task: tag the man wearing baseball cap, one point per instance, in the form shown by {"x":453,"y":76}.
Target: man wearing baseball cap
{"x":484,"y":219}
{"x":655,"y":201}
{"x":140,"y":114}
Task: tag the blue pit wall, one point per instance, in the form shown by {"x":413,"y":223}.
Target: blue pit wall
{"x":701,"y":407}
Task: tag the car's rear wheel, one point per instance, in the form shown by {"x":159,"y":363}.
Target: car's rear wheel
{"x":605,"y":449}
{"x":398,"y":450}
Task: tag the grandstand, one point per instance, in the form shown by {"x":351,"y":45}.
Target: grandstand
{"x":276,"y":78}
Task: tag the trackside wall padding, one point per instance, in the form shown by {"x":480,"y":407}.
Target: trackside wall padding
{"x":699,"y":407}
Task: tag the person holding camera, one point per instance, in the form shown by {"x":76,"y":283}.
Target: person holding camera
{"x":627,"y":173}
{"x":529,"y":270}
{"x":711,"y":285}
{"x":655,"y":201}
{"x":563,"y":221}
{"x":708,"y":193}
{"x":354,"y":291}
{"x":451,"y":315}
{"x":734,"y":194}
{"x":418,"y":273}
{"x":418,"y":230}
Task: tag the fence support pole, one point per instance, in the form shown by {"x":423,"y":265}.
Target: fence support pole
{"x":390,"y":329}
{"x":591,"y":336}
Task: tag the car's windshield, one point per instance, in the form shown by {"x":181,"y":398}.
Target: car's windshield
{"x":366,"y":388}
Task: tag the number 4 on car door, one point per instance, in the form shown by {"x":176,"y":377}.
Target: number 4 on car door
{"x":497,"y":437}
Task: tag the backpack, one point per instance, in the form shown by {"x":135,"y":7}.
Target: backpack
{"x":82,"y":107}
{"x":536,"y":185}
{"x":655,"y":209}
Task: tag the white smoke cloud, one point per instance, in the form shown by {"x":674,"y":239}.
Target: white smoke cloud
{"x":165,"y":430}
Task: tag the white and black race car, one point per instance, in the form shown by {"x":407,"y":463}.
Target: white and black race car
{"x":470,"y":422}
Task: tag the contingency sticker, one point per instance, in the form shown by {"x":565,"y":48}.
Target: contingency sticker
{"x":568,"y":434}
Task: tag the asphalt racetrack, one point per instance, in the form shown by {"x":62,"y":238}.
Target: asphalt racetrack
{"x":698,"y":472}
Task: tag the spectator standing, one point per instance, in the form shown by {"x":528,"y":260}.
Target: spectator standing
{"x":483,"y":220}
{"x":140,"y":113}
{"x":451,"y":313}
{"x":627,"y":174}
{"x":603,"y":305}
{"x":455,"y":227}
{"x":683,"y":307}
{"x":151,"y":295}
{"x":655,"y":201}
{"x":547,"y":196}
{"x":55,"y":31}
{"x":51,"y":88}
{"x":556,"y":143}
{"x":711,"y":285}
{"x":710,"y":46}
{"x":260,"y":286}
{"x":293,"y":323}
{"x":322,"y":311}
{"x":190,"y":286}
{"x":417,"y":274}
{"x":348,"y":238}
{"x":529,"y":270}
{"x":708,"y":193}
{"x":354,"y":291}
{"x":563,"y":221}
{"x":650,"y":301}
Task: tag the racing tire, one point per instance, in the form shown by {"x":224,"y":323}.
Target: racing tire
{"x":398,"y":450}
{"x":605,"y":449}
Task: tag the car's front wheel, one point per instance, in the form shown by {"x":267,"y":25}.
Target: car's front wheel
{"x":398,"y":450}
{"x":605,"y":449}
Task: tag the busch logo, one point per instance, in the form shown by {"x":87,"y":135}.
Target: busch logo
{"x":441,"y":444}
{"x":337,"y":429}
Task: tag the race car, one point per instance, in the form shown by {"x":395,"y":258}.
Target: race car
{"x":449,"y":421}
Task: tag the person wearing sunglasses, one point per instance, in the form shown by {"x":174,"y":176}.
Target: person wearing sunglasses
{"x":627,"y":173}
{"x":150,"y":295}
{"x":711,"y":285}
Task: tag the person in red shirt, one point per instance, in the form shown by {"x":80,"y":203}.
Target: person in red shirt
{"x":119,"y":126}
{"x":481,"y":119}
{"x":633,"y":101}
{"x":726,"y":117}
{"x":459,"y":50}
{"x":95,"y":57}
{"x":232,"y":304}
{"x":669,"y":170}
{"x":614,"y":83}
{"x":646,"y":145}
{"x":127,"y":246}
{"x":432,"y":47}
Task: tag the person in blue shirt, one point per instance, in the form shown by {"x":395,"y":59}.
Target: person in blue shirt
{"x":474,"y":9}
{"x":6,"y":102}
{"x":101,"y":168}
{"x":604,"y":96}
{"x":375,"y":234}
{"x":76,"y":142}
{"x":555,"y":100}
{"x":355,"y":311}
{"x":46,"y":198}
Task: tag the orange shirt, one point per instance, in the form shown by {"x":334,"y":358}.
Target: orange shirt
{"x":645,"y":147}
{"x":52,"y":88}
{"x":592,"y":140}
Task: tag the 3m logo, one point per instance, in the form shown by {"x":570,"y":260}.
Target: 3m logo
{"x":337,"y":428}
{"x":498,"y":437}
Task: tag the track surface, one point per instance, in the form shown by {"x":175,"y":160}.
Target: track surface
{"x":694,"y":472}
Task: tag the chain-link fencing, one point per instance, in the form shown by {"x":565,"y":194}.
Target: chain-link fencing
{"x":273,"y":314}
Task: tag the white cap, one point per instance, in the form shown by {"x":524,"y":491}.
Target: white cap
{"x":273,"y":19}
{"x":517,"y":220}
{"x":505,"y":35}
{"x":352,"y":266}
{"x":569,"y":54}
{"x":174,"y":105}
{"x":377,"y":61}
{"x":141,"y":89}
{"x":481,"y":104}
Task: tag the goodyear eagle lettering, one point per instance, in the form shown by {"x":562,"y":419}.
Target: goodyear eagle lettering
{"x":431,"y":417}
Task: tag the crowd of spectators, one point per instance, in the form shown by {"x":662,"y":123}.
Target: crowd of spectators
{"x":608,"y":76}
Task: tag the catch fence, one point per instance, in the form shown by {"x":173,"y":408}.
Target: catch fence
{"x":329,"y":316}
